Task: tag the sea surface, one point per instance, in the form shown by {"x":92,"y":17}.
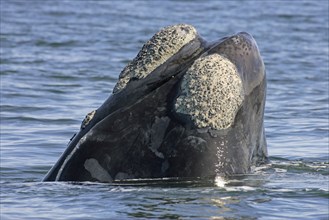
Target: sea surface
{"x":61,"y":59}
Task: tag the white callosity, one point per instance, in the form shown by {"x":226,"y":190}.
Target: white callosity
{"x":87,"y":119}
{"x":211,"y":92}
{"x":155,"y":52}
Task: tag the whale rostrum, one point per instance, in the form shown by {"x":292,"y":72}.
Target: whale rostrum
{"x":183,"y":107}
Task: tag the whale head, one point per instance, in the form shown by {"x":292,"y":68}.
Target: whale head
{"x":183,"y":107}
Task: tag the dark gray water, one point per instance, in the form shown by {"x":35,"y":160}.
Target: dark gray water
{"x":61,"y":59}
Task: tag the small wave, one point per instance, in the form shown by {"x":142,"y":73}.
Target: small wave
{"x":45,"y":43}
{"x":300,"y":166}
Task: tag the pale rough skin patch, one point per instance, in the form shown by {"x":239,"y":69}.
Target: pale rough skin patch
{"x":87,"y":119}
{"x":209,"y":77}
{"x":155,"y":52}
{"x":97,"y":171}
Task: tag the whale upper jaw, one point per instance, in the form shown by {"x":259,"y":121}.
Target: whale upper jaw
{"x":172,"y":72}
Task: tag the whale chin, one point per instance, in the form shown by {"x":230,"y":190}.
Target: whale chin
{"x":183,"y":107}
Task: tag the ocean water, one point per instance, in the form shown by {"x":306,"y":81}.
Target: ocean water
{"x":60,"y":60}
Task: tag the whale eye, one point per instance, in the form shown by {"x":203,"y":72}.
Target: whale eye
{"x":211,"y":92}
{"x":155,"y":52}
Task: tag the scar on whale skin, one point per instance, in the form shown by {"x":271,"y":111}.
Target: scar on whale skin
{"x":97,"y":171}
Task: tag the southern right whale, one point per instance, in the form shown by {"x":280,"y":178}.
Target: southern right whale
{"x":184,"y":107}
